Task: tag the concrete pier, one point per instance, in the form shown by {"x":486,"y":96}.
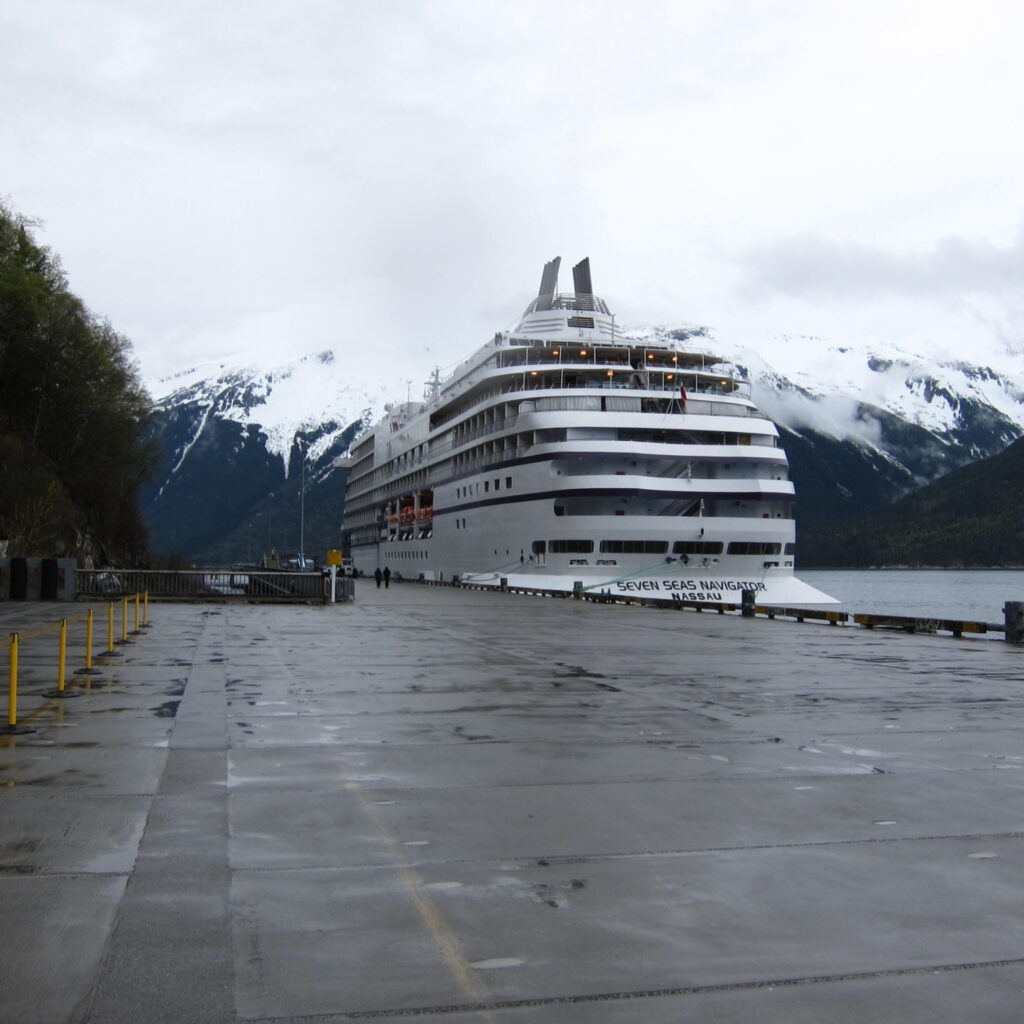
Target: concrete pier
{"x":456,"y":806}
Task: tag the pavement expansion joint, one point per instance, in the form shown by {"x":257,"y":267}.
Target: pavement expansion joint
{"x":498,"y":1005}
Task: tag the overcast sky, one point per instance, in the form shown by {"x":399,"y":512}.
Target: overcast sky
{"x":387,"y":178}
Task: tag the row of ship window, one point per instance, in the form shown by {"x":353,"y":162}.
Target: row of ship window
{"x":655,"y":547}
{"x":465,"y":492}
{"x":660,"y":547}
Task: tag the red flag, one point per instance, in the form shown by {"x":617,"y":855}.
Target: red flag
{"x":682,"y":395}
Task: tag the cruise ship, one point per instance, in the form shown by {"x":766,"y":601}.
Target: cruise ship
{"x":564,"y":455}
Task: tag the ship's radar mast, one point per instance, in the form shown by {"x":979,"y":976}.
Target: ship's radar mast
{"x":433,"y":385}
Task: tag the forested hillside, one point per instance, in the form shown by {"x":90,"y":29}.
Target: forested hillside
{"x":73,"y":415}
{"x":969,"y":518}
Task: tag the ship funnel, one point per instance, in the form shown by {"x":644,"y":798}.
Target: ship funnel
{"x":582,"y":285}
{"x":548,"y":284}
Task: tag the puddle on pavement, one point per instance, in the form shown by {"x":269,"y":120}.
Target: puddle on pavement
{"x":18,"y":869}
{"x":576,"y":672}
{"x":496,"y":963}
{"x":458,"y":731}
{"x":12,"y":855}
{"x":69,"y":777}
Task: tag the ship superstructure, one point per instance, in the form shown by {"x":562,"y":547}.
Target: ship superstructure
{"x":565,"y":455}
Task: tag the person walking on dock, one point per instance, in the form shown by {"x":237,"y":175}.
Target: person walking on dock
{"x":387,"y":576}
{"x":378,"y":576}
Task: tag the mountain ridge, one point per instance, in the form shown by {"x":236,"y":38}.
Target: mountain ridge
{"x":863,"y":426}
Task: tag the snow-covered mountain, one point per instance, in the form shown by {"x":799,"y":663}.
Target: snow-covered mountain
{"x":299,"y":396}
{"x":862,"y":425}
{"x":248,"y":458}
{"x":962,"y":402}
{"x":842,"y":390}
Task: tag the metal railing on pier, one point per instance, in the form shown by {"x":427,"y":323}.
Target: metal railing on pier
{"x":265,"y":585}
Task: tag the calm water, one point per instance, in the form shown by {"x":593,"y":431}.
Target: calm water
{"x":974,"y":595}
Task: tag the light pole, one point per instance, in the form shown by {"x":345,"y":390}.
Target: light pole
{"x":302,"y":508}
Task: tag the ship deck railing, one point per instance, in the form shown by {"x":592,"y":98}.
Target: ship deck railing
{"x":624,"y":383}
{"x":694,"y":404}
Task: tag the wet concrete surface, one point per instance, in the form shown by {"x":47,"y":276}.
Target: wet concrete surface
{"x":454,"y":806}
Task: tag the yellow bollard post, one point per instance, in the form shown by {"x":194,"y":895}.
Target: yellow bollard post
{"x":88,"y":641}
{"x":62,"y":655}
{"x":145,"y":609}
{"x":136,"y":613}
{"x":88,"y":670}
{"x":12,"y":727}
{"x":110,"y":652}
{"x":12,"y":690}
{"x":124,"y":622}
{"x":110,"y":632}
{"x":61,"y":663}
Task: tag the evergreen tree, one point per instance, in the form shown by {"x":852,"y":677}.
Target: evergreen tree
{"x":73,"y":414}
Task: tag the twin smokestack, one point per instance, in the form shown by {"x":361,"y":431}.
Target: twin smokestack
{"x":580,"y":280}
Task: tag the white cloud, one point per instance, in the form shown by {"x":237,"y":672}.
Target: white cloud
{"x":951,"y":267}
{"x":390,"y":178}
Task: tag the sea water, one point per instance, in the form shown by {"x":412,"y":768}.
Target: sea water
{"x":971,"y":595}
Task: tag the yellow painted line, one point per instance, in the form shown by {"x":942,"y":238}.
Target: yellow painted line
{"x":444,"y":937}
{"x":53,"y":627}
{"x":49,"y":704}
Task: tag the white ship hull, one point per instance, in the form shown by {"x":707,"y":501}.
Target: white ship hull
{"x":564,"y":456}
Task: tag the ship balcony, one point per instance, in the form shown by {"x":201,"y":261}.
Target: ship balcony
{"x":617,"y":376}
{"x":588,"y":352}
{"x":559,"y":451}
{"x":538,"y":413}
{"x":556,"y":393}
{"x":652,"y":465}
{"x":647,"y":496}
{"x":693,"y":533}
